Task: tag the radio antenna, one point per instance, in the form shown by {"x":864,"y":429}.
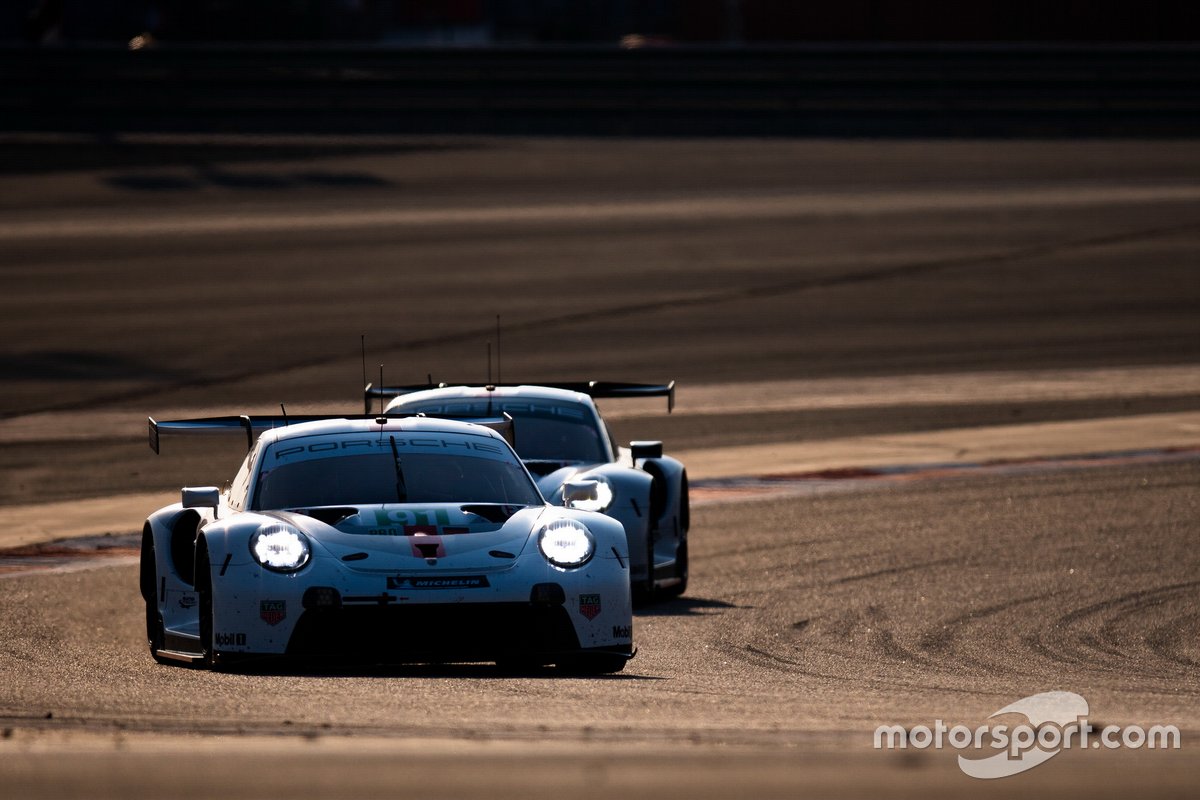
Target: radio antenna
{"x":362,"y":340}
{"x":499,"y":379}
{"x":284,"y":410}
{"x":491,"y":388}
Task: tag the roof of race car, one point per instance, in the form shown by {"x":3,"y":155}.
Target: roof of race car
{"x":529,"y":391}
{"x":407,"y":424}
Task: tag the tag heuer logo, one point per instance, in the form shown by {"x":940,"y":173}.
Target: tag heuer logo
{"x":272,"y":612}
{"x":589,"y":605}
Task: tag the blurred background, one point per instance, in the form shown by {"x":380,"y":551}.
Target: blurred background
{"x":633,"y":22}
{"x":602,"y":67}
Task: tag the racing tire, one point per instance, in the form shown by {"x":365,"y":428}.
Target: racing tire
{"x":681,"y":556}
{"x":592,"y":664}
{"x":155,"y":636}
{"x":148,"y":579}
{"x":203,"y":587}
{"x":681,"y":572}
{"x":643,"y":593}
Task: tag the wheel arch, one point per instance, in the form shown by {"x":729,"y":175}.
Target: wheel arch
{"x":669,"y":491}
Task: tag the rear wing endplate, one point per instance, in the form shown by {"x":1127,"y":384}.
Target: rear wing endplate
{"x":372,"y":393}
{"x":254,"y":426}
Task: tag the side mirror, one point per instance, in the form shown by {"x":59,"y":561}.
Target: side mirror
{"x":201,"y":497}
{"x":640,"y":450}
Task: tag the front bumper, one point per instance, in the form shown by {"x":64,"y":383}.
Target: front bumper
{"x":527,"y":612}
{"x":436,"y":632}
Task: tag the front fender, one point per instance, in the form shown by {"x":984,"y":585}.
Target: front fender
{"x":172,"y":531}
{"x":609,"y":533}
{"x":229,"y":541}
{"x":630,"y":507}
{"x":669,"y":500}
{"x":670,"y":510}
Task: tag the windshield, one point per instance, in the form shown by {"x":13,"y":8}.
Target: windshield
{"x":314,"y":474}
{"x":545,"y":430}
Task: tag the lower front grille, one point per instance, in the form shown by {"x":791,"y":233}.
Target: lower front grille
{"x":437,"y":633}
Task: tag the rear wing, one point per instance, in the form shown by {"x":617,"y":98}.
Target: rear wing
{"x":592,"y":388}
{"x":254,"y":426}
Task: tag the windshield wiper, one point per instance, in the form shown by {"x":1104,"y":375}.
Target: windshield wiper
{"x":401,"y":486}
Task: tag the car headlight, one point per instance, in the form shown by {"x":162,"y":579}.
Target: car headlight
{"x":592,"y":494}
{"x":280,"y":547}
{"x":566,"y":543}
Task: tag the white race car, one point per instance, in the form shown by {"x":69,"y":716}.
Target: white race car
{"x":566,"y":444}
{"x":394,"y":539}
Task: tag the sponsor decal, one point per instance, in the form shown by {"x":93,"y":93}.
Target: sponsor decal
{"x":622,"y":631}
{"x":272,"y":612}
{"x":442,"y":582}
{"x":230,"y":639}
{"x":187,"y":601}
{"x":589,"y":605}
{"x":389,"y":517}
{"x":319,"y":449}
{"x":425,"y":541}
{"x":413,"y":522}
{"x":411,"y":530}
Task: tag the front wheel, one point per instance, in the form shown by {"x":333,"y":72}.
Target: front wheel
{"x":681,"y":555}
{"x":155,"y":634}
{"x":148,"y":578}
{"x":204,"y":590}
{"x":642,"y":592}
{"x":681,"y":572}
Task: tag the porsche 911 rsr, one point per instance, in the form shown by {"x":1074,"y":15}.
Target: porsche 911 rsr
{"x":399,"y":539}
{"x":565,"y":443}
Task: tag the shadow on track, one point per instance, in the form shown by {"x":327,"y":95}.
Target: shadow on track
{"x":318,"y":668}
{"x":684,"y":606}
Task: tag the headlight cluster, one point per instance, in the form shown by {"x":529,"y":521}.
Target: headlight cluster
{"x":280,"y":547}
{"x":566,"y":543}
{"x":594,"y":494}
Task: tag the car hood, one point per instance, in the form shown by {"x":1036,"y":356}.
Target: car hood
{"x":396,"y":536}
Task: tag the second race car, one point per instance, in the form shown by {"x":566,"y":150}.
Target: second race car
{"x":566,"y":444}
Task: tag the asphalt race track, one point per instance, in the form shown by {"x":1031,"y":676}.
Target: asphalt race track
{"x":940,"y":398}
